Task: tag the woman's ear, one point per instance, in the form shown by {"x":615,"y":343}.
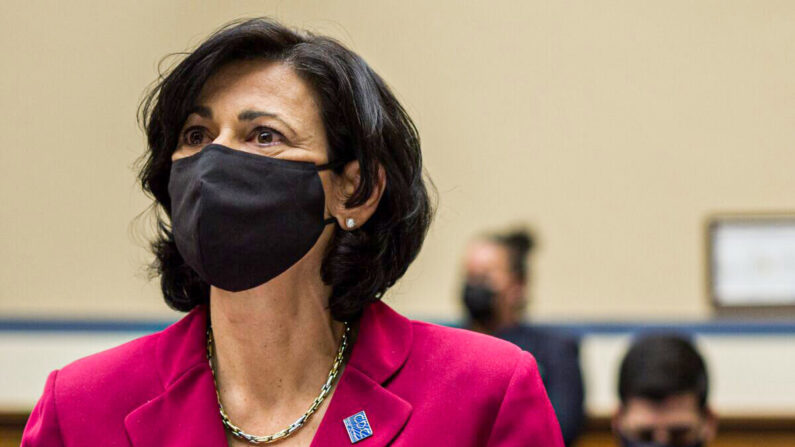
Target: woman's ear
{"x":345,"y":184}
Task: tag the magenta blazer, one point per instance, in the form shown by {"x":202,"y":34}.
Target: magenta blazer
{"x":419,"y":384}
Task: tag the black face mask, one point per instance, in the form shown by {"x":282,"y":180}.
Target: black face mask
{"x":240,"y":219}
{"x":479,"y":301}
{"x":626,"y":442}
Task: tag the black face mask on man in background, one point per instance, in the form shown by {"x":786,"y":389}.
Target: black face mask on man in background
{"x":479,"y":301}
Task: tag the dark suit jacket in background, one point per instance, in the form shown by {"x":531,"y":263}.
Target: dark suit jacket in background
{"x":558,"y":357}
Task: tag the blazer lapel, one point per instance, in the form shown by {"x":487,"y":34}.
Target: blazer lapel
{"x":381,"y":348}
{"x":186,"y":412}
{"x":386,"y":412}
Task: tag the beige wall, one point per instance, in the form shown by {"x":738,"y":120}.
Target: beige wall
{"x":613,"y":127}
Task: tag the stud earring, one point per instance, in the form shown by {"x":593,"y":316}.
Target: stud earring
{"x":350,"y":223}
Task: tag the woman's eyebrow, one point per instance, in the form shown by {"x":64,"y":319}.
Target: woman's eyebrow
{"x":202,"y":111}
{"x":248,"y":115}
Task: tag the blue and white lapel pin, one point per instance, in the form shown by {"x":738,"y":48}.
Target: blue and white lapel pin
{"x":358,"y":427}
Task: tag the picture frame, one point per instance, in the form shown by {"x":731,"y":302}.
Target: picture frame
{"x":751,"y":263}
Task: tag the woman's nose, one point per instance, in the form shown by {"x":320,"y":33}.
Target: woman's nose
{"x":227,"y":138}
{"x":232,"y":140}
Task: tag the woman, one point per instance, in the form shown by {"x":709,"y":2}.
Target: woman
{"x":495,"y":295}
{"x":291,"y":180}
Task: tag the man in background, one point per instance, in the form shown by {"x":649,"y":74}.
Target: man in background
{"x":663,"y":390}
{"x":495,"y":293}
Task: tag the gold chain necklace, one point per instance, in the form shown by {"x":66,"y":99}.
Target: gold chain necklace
{"x":324,"y":390}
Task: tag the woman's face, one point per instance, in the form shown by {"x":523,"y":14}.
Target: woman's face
{"x":265,"y":109}
{"x":488,"y":262}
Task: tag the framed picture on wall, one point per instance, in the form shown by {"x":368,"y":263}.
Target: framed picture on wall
{"x":751,"y":261}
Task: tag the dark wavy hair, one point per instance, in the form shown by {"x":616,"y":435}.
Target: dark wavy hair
{"x":363,"y":121}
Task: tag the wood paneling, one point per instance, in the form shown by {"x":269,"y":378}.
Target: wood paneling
{"x":734,"y":432}
{"x":11,"y":425}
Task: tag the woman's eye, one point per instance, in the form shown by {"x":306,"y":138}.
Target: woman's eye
{"x":193,"y":136}
{"x":266,"y":136}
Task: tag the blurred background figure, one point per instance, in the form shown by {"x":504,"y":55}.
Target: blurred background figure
{"x":663,"y":389}
{"x":495,"y":296}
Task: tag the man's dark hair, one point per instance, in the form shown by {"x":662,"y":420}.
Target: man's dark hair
{"x":660,"y":366}
{"x":363,"y":121}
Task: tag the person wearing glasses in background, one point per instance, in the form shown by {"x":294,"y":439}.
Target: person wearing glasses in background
{"x":495,"y":297}
{"x":663,"y":388}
